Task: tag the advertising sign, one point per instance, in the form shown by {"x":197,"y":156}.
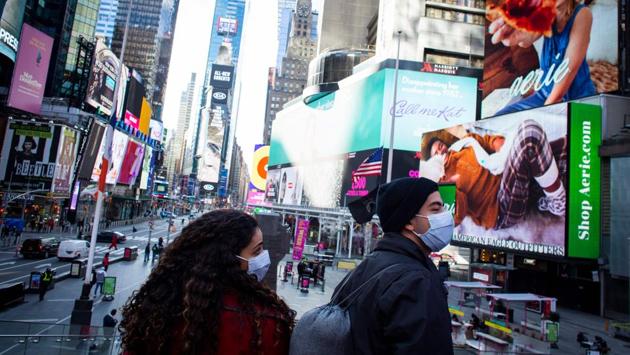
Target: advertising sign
{"x":109,"y":286}
{"x":92,"y":150}
{"x":103,"y":77}
{"x":221,"y":76}
{"x":207,"y":188}
{"x":211,"y":144}
{"x":324,"y":159}
{"x":31,"y":70}
{"x":301,"y":234}
{"x":75,"y":196}
{"x":227,"y":26}
{"x":584,"y":181}
{"x":156,"y":130}
{"x":146,"y":168}
{"x":219,"y":96}
{"x":119,"y":144}
{"x":131,"y":164}
{"x":223,"y":177}
{"x":65,"y":162}
{"x":28,"y":156}
{"x":259,"y":166}
{"x":523,"y":180}
{"x":145,"y":116}
{"x":530,"y":62}
{"x":133,"y":106}
{"x":11,"y":16}
{"x":122,"y":92}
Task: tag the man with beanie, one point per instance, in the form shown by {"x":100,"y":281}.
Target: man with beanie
{"x":402,"y":306}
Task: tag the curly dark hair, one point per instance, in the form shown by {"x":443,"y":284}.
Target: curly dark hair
{"x":187,"y":287}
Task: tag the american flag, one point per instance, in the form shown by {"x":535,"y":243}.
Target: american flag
{"x":371,"y":166}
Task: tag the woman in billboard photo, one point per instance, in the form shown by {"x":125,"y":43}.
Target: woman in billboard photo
{"x":206,"y":297}
{"x":499,"y":177}
{"x":563,"y":72}
{"x":25,"y":153}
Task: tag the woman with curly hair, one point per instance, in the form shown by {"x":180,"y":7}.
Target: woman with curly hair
{"x":205,"y":295}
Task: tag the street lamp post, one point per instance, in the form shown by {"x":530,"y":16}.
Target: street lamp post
{"x":82,"y":312}
{"x":390,"y":156}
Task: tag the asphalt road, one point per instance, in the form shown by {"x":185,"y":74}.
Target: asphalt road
{"x":18,"y":269}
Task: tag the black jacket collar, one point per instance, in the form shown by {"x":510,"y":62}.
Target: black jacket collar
{"x":397,"y":243}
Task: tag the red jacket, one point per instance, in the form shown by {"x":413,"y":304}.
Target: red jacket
{"x":236,"y":331}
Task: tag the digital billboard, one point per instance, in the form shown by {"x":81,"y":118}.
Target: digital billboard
{"x":131,"y":164}
{"x":31,"y":70}
{"x":323,"y":144}
{"x":227,"y":26}
{"x":103,"y":77}
{"x":146,"y":168}
{"x":257,"y":185}
{"x":92,"y":150}
{"x":221,"y":76}
{"x":11,"y":15}
{"x":211,"y":143}
{"x":156,"y":130}
{"x":526,"y":182}
{"x":28,"y":155}
{"x":145,"y":116}
{"x":64,"y":172}
{"x":556,"y":52}
{"x":133,"y":103}
{"x":119,"y":145}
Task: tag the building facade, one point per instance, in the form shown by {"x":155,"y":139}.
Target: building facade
{"x":345,"y":23}
{"x":65,"y":21}
{"x":177,"y":144}
{"x":107,"y":20}
{"x":288,"y":81}
{"x":148,"y":22}
{"x":442,"y":32}
{"x":285,"y":11}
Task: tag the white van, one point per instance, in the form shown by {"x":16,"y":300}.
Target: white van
{"x":73,"y":249}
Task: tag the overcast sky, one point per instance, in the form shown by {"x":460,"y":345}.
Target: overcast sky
{"x":258,"y":53}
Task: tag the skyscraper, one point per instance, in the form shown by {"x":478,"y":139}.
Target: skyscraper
{"x":288,"y":83}
{"x":176,"y":150}
{"x":65,"y":21}
{"x":107,"y":20}
{"x":285,"y":11}
{"x":224,"y":49}
{"x":345,"y":23}
{"x":148,"y":22}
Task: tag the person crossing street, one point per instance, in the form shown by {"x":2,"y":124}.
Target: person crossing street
{"x":114,"y":243}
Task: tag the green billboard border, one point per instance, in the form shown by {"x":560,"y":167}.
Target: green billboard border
{"x":584,"y":181}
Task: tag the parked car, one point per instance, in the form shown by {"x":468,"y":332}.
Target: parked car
{"x":39,"y":247}
{"x":73,"y":249}
{"x":106,"y":237}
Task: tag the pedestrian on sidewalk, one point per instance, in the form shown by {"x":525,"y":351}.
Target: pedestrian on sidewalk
{"x":109,"y":321}
{"x":16,"y":236}
{"x":213,"y":299}
{"x":106,"y":261}
{"x":404,"y":309}
{"x":147,"y":253}
{"x":156,"y":252}
{"x":114,"y":243}
{"x":100,"y":279}
{"x":45,"y":281}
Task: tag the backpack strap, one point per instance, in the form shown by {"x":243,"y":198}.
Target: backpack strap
{"x":356,"y":291}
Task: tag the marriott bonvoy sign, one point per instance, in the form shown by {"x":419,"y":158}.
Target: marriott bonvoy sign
{"x":524,"y":182}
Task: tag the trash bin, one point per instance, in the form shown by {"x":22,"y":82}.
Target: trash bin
{"x":131,"y":253}
{"x":77,"y":268}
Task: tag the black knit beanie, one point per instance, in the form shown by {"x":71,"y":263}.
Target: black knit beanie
{"x":395,"y":203}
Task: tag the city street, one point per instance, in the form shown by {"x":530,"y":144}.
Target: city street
{"x":17,"y":269}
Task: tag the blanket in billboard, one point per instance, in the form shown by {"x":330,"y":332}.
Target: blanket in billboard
{"x":510,"y":175}
{"x":131,"y":164}
{"x":28,"y":156}
{"x":212,"y":143}
{"x":540,"y":53}
{"x":65,"y":162}
{"x":146,"y":168}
